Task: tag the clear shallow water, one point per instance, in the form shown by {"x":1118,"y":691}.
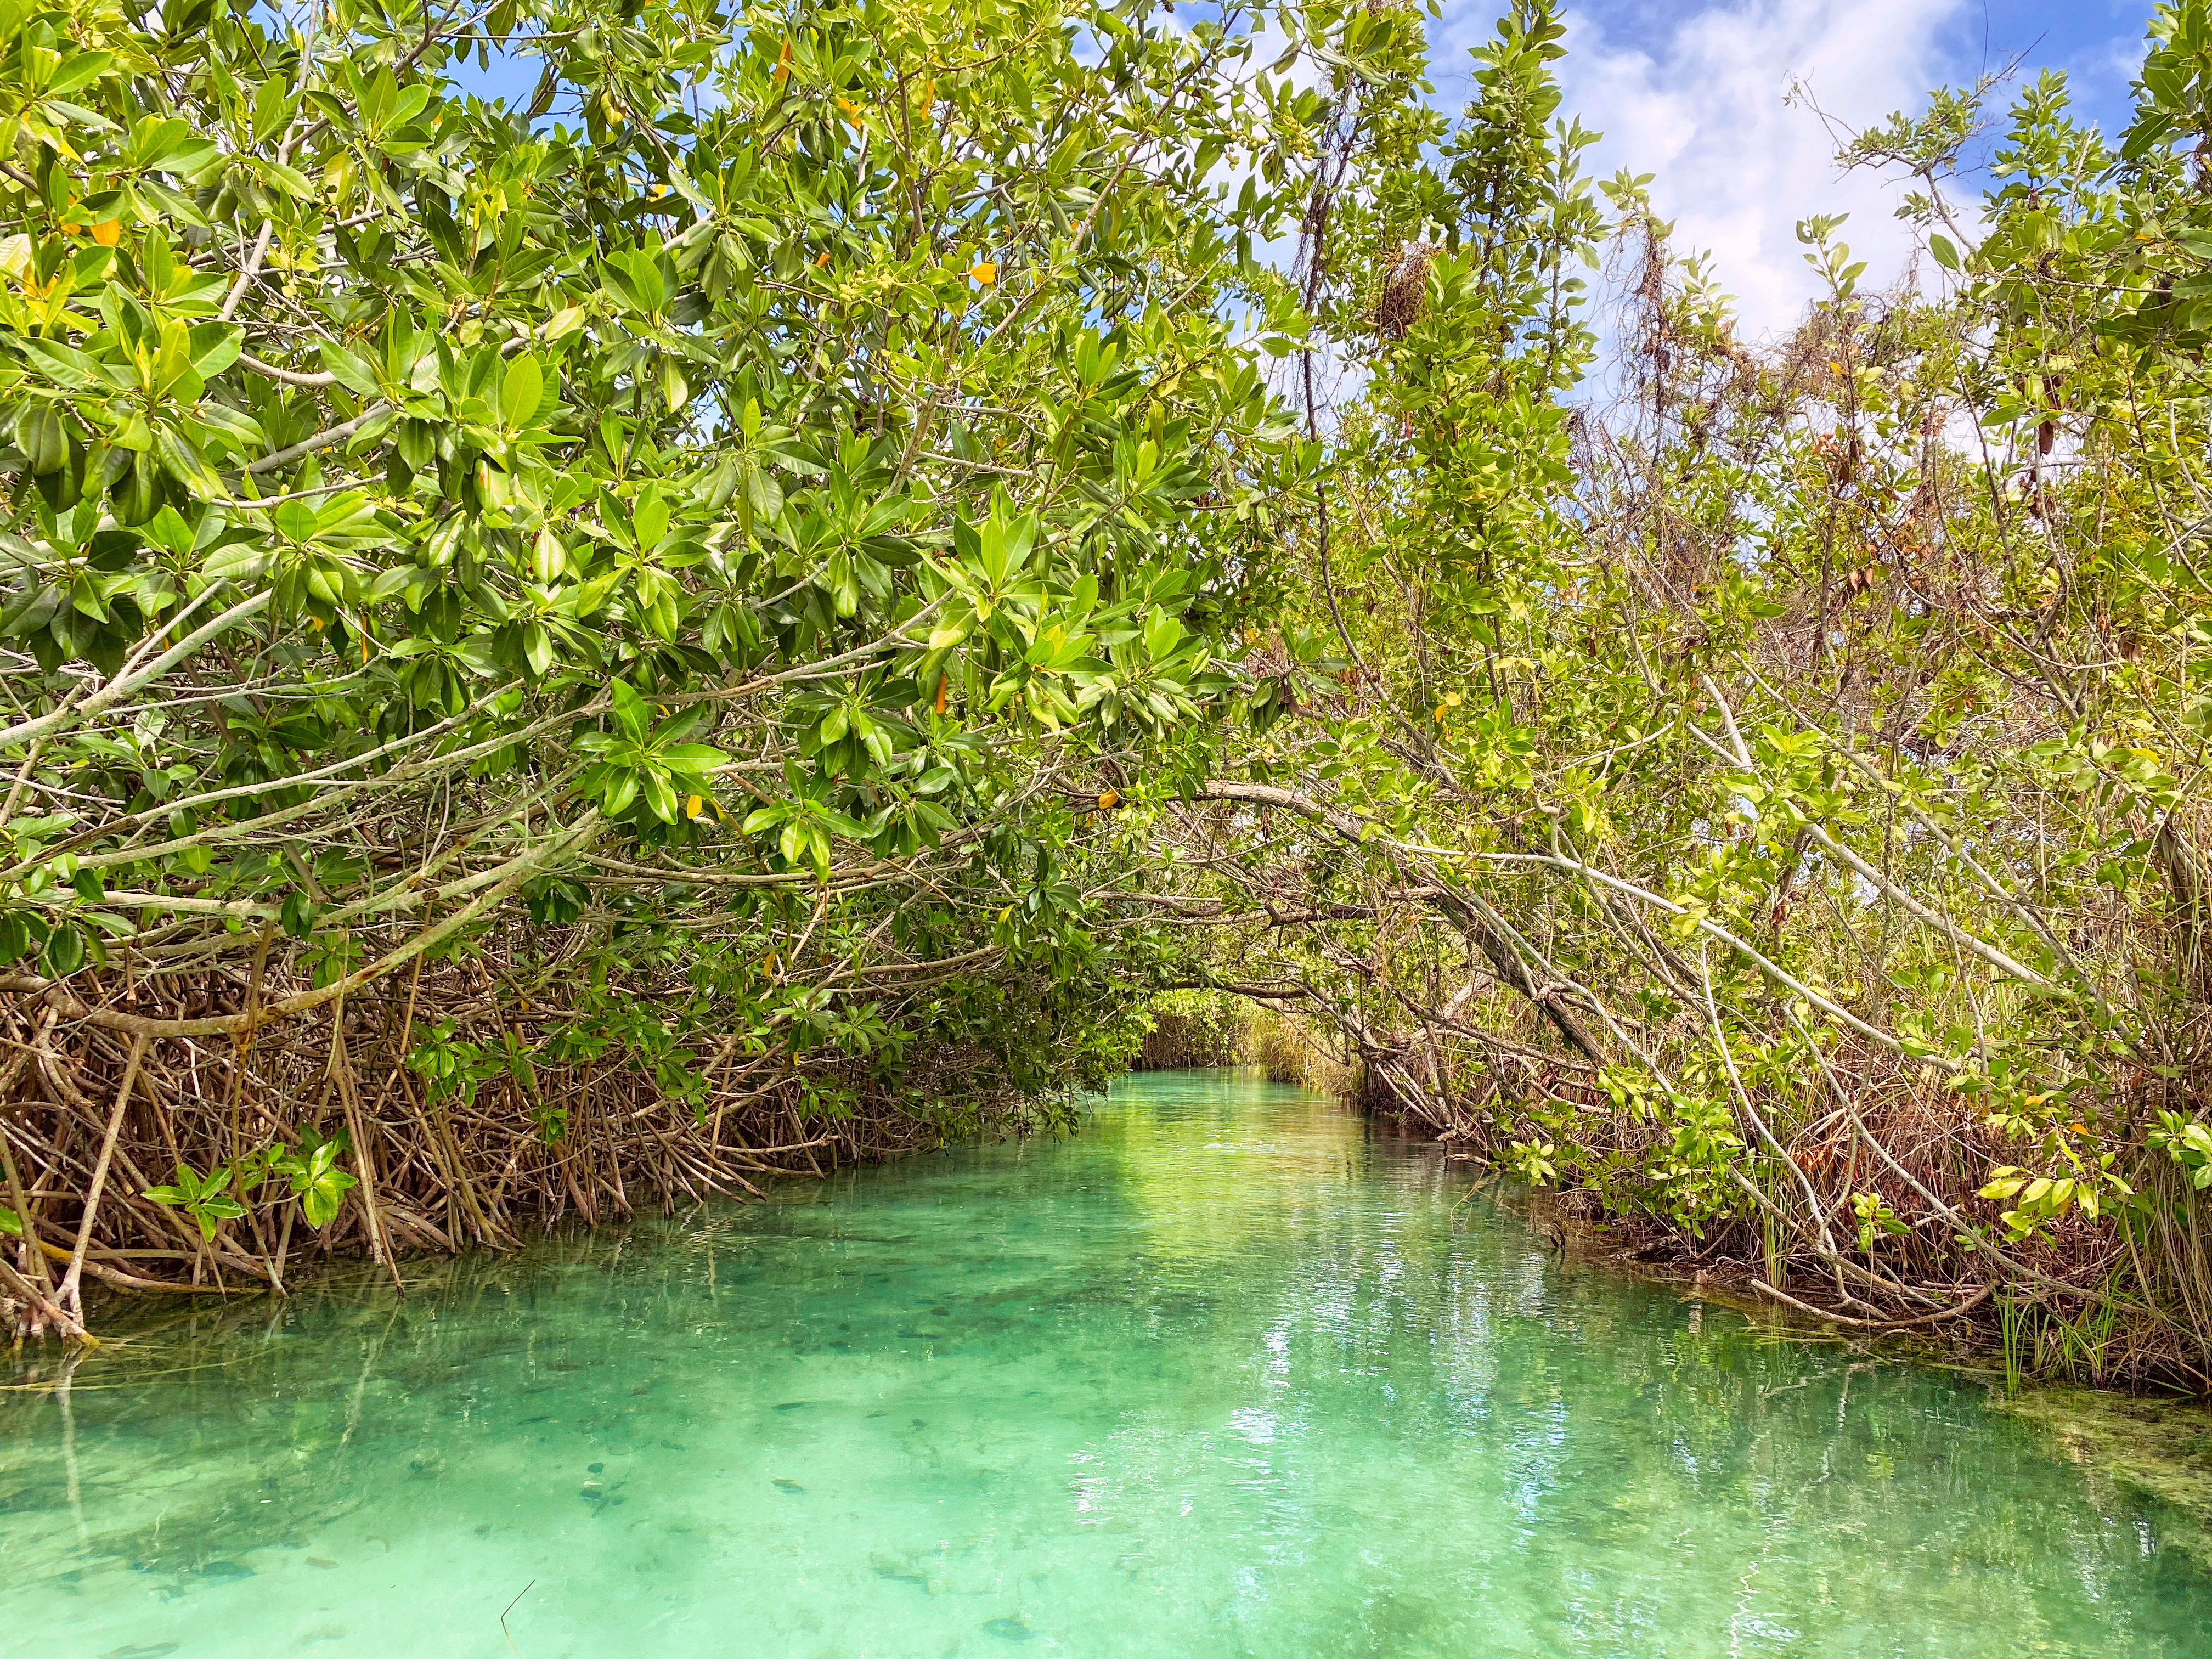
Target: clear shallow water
{"x":1225,"y":1374}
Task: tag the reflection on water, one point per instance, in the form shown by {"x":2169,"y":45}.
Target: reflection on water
{"x":1225,"y":1374}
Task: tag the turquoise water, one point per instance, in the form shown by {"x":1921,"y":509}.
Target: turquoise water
{"x":1227,"y":1374}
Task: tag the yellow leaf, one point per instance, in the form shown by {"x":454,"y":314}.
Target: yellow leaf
{"x":1108,"y":801}
{"x":109,"y":233}
{"x":693,"y":804}
{"x":985,"y":271}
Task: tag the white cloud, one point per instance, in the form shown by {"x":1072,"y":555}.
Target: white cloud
{"x":1697,"y":100}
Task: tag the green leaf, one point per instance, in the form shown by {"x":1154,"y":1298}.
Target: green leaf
{"x":620,"y":790}
{"x":695,"y":758}
{"x":68,"y":366}
{"x":64,"y":952}
{"x":630,"y":710}
{"x":520,"y":392}
{"x":660,"y":799}
{"x":214,"y":346}
{"x":323,"y":1197}
{"x":297,"y":913}
{"x":353,"y":373}
{"x":316,"y":1180}
{"x":78,"y":69}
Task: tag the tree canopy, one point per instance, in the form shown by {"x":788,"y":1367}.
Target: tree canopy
{"x":1757,"y":789}
{"x":669,"y":581}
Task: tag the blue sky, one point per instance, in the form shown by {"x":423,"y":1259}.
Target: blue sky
{"x":1693,"y":94}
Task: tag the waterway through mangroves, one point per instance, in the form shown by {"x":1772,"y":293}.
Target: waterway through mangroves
{"x":1227,"y":1373}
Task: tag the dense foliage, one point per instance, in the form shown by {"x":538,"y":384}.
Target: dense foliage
{"x":566,"y":648}
{"x":1769,"y":800}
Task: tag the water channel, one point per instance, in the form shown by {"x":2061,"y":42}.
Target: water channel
{"x":1227,"y":1373}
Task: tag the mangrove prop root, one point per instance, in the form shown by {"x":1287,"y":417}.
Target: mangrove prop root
{"x":109,"y":1114}
{"x":1980,"y":1296}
